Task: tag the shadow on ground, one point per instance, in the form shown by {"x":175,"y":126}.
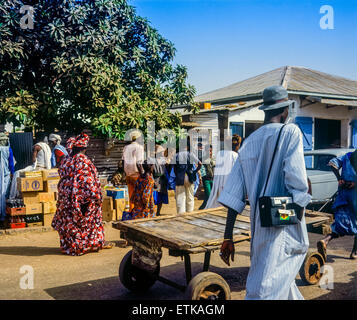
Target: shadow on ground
{"x":30,"y":251}
{"x":111,"y":288}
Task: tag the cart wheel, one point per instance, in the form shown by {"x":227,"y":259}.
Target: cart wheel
{"x":136,"y":279}
{"x":208,"y":286}
{"x":310,"y":271}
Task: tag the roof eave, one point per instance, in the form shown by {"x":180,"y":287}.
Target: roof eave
{"x":259,"y":95}
{"x":322,"y":95}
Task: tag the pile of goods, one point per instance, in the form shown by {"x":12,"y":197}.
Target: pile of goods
{"x":115,"y":201}
{"x":37,"y":203}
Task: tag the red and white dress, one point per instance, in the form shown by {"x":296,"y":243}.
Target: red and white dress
{"x":78,"y":218}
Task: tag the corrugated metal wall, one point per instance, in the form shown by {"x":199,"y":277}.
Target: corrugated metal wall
{"x":105,"y":159}
{"x":21,"y":145}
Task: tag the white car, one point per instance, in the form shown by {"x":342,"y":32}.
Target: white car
{"x":323,"y":181}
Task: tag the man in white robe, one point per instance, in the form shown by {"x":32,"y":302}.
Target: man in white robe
{"x":277,"y":253}
{"x":225,"y":160}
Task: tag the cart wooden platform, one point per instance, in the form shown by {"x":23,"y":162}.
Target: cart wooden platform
{"x":193,"y":233}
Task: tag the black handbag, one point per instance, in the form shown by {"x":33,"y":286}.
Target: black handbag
{"x":278,"y":211}
{"x":191,"y":173}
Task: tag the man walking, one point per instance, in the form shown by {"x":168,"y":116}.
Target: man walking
{"x":186,"y":166}
{"x":133,"y":157}
{"x":277,"y":253}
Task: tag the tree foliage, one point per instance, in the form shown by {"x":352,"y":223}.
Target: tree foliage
{"x":89,"y":63}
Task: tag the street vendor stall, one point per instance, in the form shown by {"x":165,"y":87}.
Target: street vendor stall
{"x":194,"y":233}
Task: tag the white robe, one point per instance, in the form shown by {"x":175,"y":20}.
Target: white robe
{"x":14,"y":193}
{"x":277,"y":253}
{"x":224,"y":164}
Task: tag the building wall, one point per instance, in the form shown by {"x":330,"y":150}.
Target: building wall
{"x":251,"y":114}
{"x":341,"y":113}
{"x":208,"y":121}
{"x":316,"y":110}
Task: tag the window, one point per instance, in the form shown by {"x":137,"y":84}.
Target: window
{"x":237,"y":128}
{"x":320,"y":162}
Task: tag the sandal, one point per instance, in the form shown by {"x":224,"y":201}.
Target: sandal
{"x":322,"y":249}
{"x":108,"y":245}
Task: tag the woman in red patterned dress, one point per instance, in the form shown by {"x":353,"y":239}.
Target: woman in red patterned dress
{"x":78,"y":219}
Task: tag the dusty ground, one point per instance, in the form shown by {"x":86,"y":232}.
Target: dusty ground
{"x":95,"y":275}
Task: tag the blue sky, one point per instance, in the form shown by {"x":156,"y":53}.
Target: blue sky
{"x":225,"y":41}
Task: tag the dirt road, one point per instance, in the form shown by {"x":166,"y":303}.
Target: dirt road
{"x":95,"y":275}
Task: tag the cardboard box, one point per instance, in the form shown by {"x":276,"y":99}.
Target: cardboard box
{"x":51,"y":174}
{"x":29,"y":184}
{"x":47,"y":219}
{"x":107,"y":205}
{"x":109,"y":215}
{"x":49,"y":207}
{"x":31,"y":174}
{"x":116,"y":193}
{"x":30,"y":197}
{"x":119,"y":205}
{"x":34,"y":224}
{"x":46,"y":196}
{"x":34,"y":208}
{"x":50,"y":185}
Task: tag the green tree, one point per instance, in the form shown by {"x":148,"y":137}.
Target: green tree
{"x":89,"y":63}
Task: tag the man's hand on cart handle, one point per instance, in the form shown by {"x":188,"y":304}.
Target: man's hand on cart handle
{"x":227,"y":251}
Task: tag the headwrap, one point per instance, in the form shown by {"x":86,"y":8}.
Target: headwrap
{"x":55,"y":138}
{"x":70,"y":142}
{"x":3,"y":139}
{"x":81,"y":141}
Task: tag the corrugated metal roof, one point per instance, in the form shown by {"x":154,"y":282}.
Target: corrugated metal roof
{"x":240,"y":106}
{"x":294,"y":79}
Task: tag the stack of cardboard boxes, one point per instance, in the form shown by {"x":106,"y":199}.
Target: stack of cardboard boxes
{"x":39,"y":193}
{"x":115,"y":201}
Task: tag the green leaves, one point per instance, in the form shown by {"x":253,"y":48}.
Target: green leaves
{"x":88,"y":63}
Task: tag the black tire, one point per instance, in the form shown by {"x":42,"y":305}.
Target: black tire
{"x":136,"y":279}
{"x":310,"y":271}
{"x":208,"y":286}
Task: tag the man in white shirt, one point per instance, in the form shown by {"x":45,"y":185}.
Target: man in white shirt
{"x":133,"y":157}
{"x":277,"y":253}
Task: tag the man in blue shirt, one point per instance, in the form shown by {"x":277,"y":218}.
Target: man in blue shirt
{"x":345,"y":205}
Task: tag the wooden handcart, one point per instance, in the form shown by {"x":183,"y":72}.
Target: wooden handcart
{"x":193,"y":233}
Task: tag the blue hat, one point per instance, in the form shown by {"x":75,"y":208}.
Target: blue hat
{"x":273,"y":94}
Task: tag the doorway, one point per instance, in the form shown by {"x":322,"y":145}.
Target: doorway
{"x":327,"y":134}
{"x":250,"y":127}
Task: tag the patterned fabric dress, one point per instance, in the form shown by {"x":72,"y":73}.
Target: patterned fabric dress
{"x":78,"y":219}
{"x":142,"y":198}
